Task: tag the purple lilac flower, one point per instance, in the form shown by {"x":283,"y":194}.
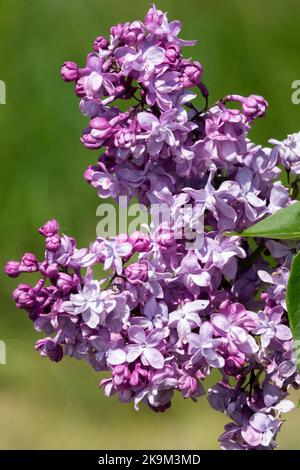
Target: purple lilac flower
{"x":203,"y":346}
{"x":271,"y":327}
{"x":145,"y":346}
{"x":288,"y":152}
{"x":90,"y":303}
{"x":186,"y":317}
{"x":169,"y":310}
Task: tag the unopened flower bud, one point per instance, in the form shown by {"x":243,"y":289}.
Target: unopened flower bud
{"x":100,"y":43}
{"x":24,"y":296}
{"x":100,"y":123}
{"x":254,"y":106}
{"x":136,"y":273}
{"x":47,"y":347}
{"x":53,"y":243}
{"x":79,"y":88}
{"x":65,"y":282}
{"x":12,"y":268}
{"x":172,"y":54}
{"x":49,"y":228}
{"x":154,"y":16}
{"x":48,"y":270}
{"x":29,"y":263}
{"x":140,"y":242}
{"x":192,"y":74}
{"x":166,"y":239}
{"x":70,"y":71}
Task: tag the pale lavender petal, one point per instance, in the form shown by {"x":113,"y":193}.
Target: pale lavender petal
{"x":116,"y":356}
{"x":154,"y":337}
{"x":155,"y":146}
{"x":133,"y":352}
{"x":206,"y":332}
{"x":251,"y":436}
{"x":259,"y":421}
{"x":265,"y":277}
{"x":154,"y":357}
{"x":201,"y":279}
{"x":213,"y":359}
{"x":147,"y":120}
{"x":195,"y":306}
{"x":183,"y":328}
{"x":136,"y":334}
{"x":155,"y":55}
{"x":283,"y":332}
{"x":221,"y":323}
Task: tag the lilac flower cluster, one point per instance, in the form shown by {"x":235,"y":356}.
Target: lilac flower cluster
{"x":165,"y":315}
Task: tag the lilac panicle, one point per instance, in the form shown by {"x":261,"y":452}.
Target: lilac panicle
{"x":165,"y":314}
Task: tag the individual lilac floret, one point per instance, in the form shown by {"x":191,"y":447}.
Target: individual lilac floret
{"x":288,"y":151}
{"x":12,"y":268}
{"x":203,"y":346}
{"x":186,"y":317}
{"x":234,"y":326}
{"x":271,"y":327}
{"x":90,"y":303}
{"x":261,"y":430}
{"x":48,"y":347}
{"x":145,"y":346}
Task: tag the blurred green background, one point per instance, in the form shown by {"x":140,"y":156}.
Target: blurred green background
{"x":245,"y":47}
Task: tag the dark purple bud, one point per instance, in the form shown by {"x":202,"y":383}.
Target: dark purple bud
{"x":160,"y":408}
{"x":234,"y":364}
{"x":65,"y":282}
{"x":48,"y":270}
{"x":70,"y":71}
{"x":140,"y":242}
{"x":90,"y":142}
{"x":24,"y":296}
{"x":192,"y":74}
{"x":166,"y":239}
{"x":254,"y":106}
{"x":134,"y":379}
{"x":119,"y":369}
{"x":100,"y":43}
{"x":49,"y":228}
{"x":88,"y":174}
{"x":39,"y":285}
{"x":120,"y":374}
{"x":100,"y":123}
{"x":47,"y":347}
{"x":117,"y":30}
{"x":12,"y":269}
{"x":154,"y":16}
{"x":136,"y":273}
{"x":29,"y":263}
{"x":173,"y":55}
{"x":79,"y":88}
{"x":187,"y":385}
{"x":53,"y":243}
{"x":95,"y":135}
{"x":132,"y":33}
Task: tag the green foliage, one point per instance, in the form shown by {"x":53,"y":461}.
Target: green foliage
{"x":283,"y":225}
{"x":293,"y":302}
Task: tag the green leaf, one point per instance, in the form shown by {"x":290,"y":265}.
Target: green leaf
{"x":293,"y":304}
{"x":283,"y":225}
